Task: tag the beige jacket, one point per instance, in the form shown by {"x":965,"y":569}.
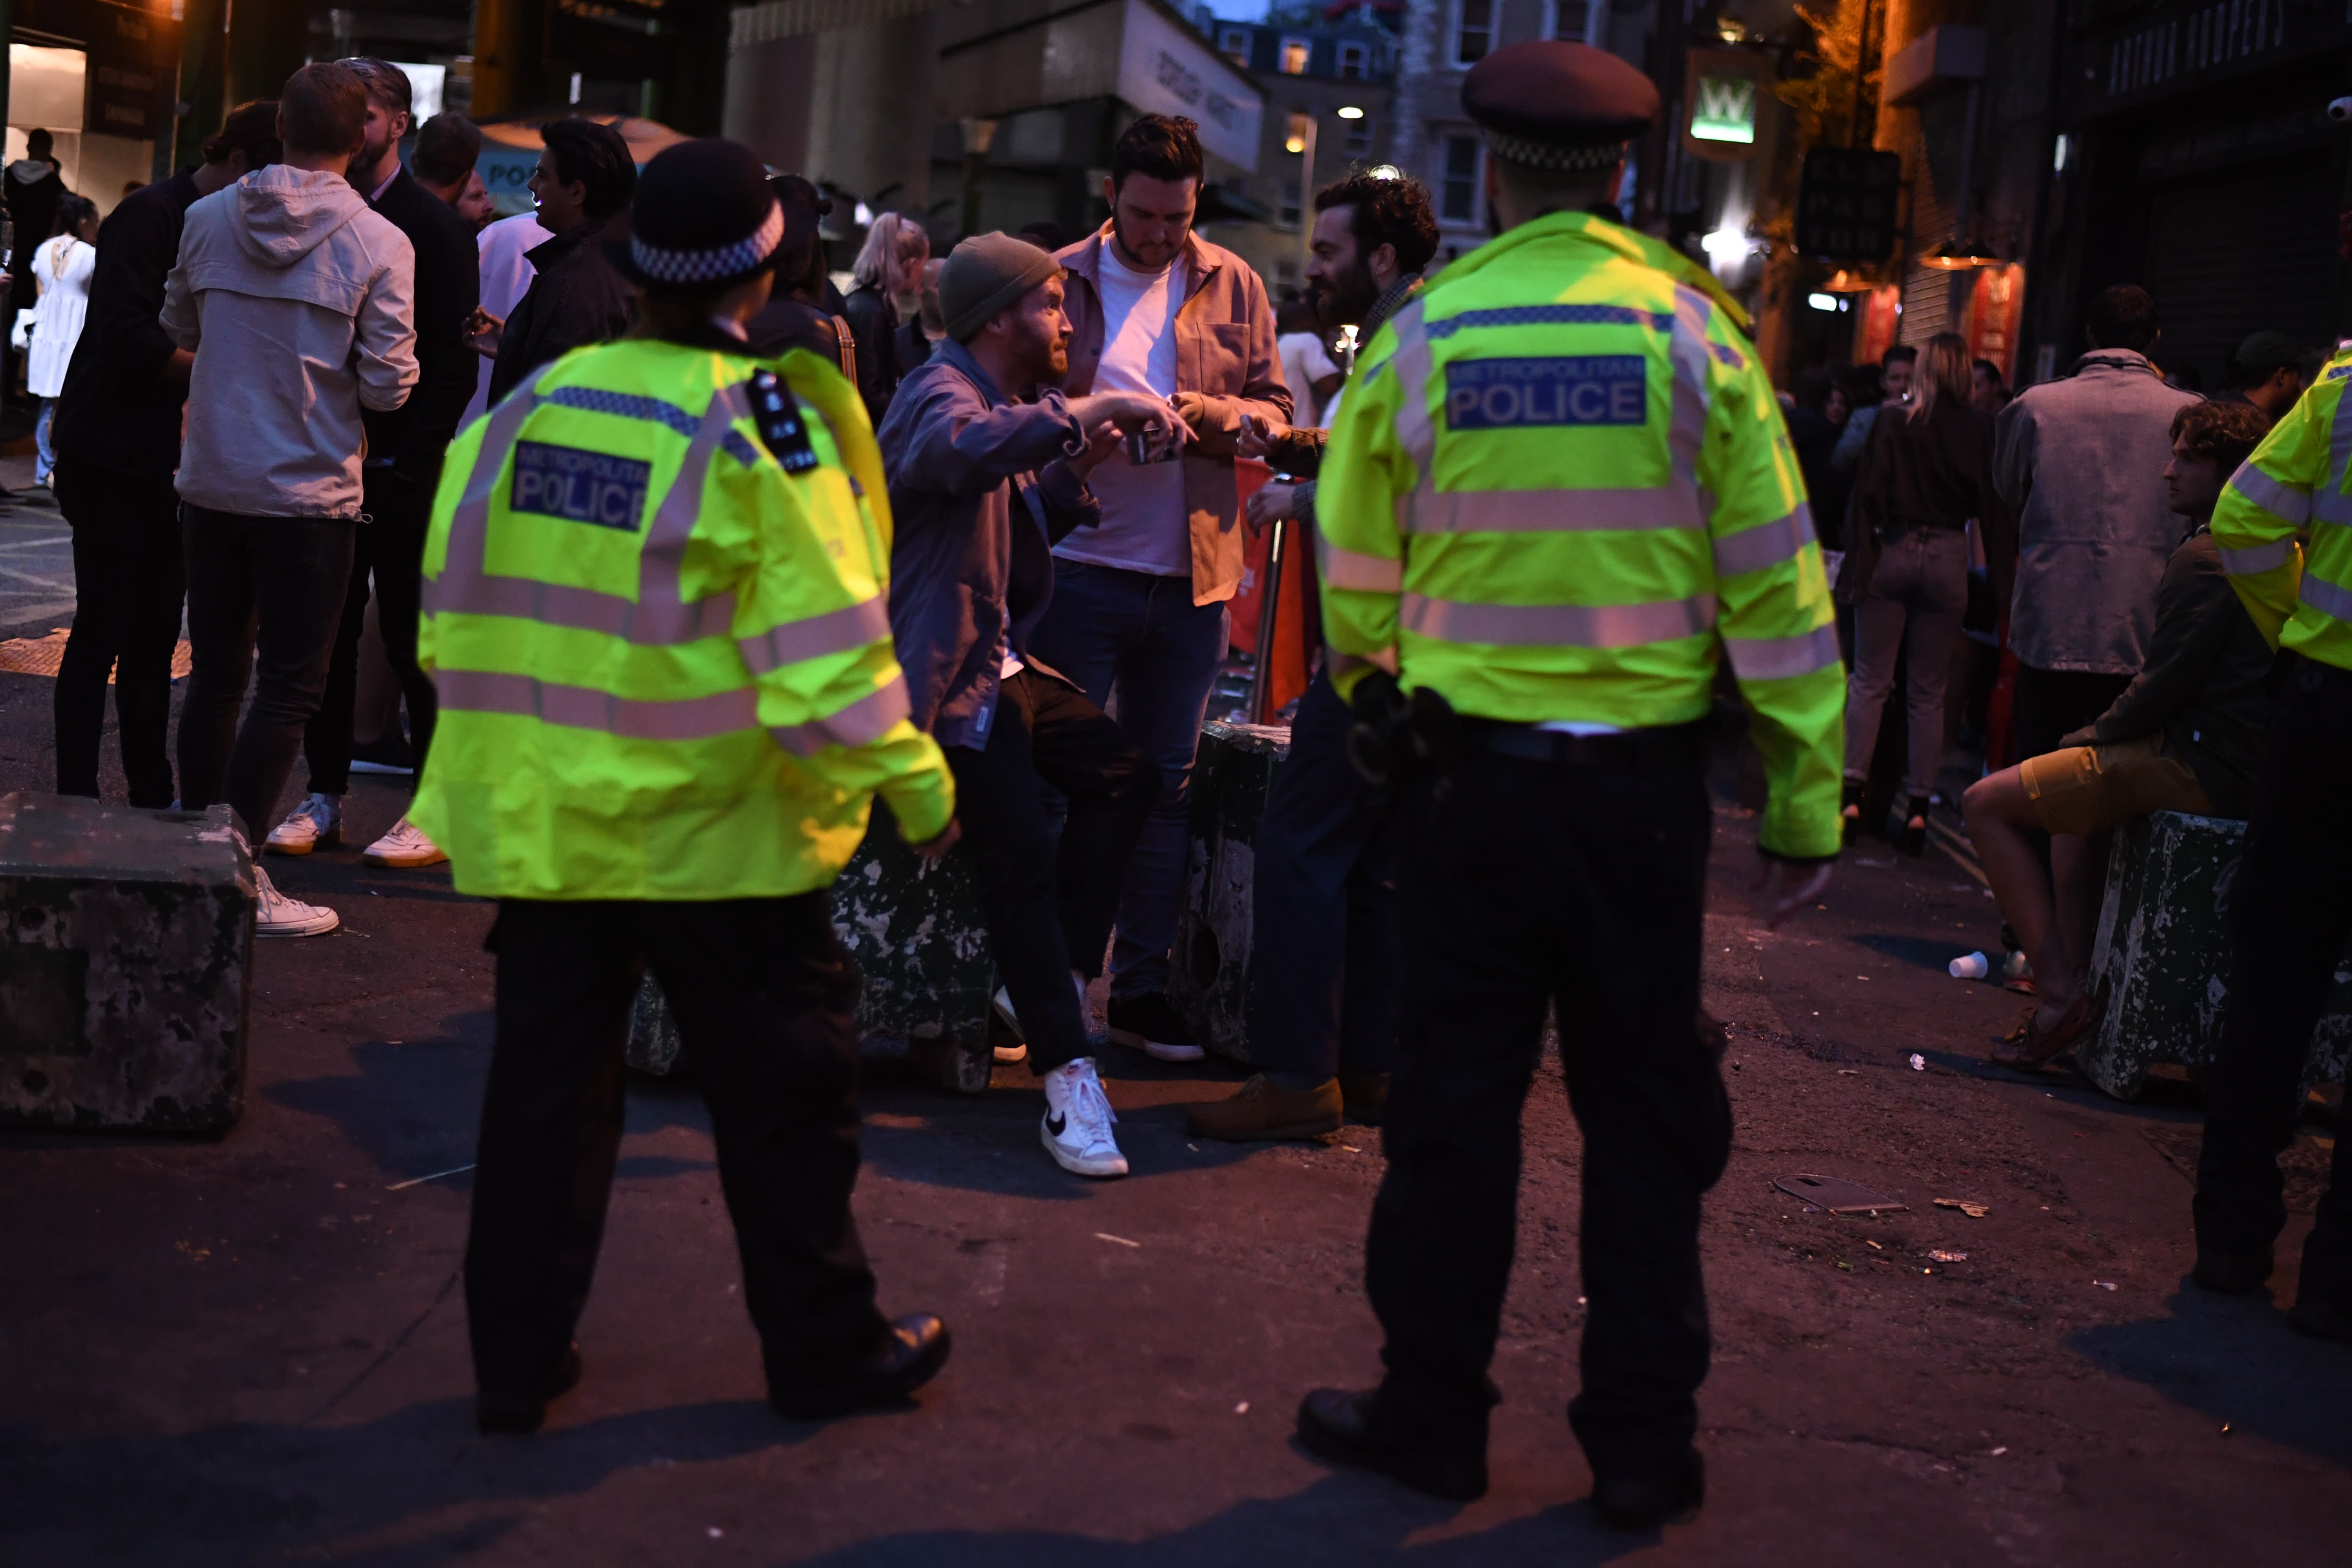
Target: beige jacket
{"x":1227,"y":368}
{"x":297,"y":302}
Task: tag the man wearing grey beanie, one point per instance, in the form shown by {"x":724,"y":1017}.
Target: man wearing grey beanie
{"x":986,"y":473}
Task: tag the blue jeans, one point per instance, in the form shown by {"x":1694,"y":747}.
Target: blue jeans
{"x":1143,"y":637}
{"x":46,"y":462}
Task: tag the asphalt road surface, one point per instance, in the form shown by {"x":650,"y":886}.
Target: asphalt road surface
{"x":253,"y":1351}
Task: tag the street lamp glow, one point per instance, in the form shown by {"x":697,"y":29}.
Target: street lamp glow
{"x":1350,"y":112}
{"x":1725,"y":248}
{"x":1822,"y":302}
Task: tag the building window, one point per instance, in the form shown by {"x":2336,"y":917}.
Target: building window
{"x":1474,"y":31}
{"x":1234,"y":43}
{"x":1296,"y":54}
{"x":1302,"y":127}
{"x":1575,"y":20}
{"x":1355,"y":62}
{"x":1360,"y":137}
{"x":1458,"y":195}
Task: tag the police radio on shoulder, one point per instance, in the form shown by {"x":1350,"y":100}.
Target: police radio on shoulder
{"x":782,"y":429}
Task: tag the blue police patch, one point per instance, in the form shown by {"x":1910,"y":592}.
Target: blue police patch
{"x":1576,"y":389}
{"x":579,"y":486}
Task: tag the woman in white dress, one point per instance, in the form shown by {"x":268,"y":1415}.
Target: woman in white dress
{"x":63,"y":264}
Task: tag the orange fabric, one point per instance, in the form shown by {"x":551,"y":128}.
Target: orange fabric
{"x":1294,"y":611}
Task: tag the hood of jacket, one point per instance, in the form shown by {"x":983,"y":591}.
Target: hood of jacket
{"x":31,"y":171}
{"x":284,"y":213}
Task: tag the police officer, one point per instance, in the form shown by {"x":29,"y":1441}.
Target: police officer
{"x":1558,"y":490}
{"x":2285,"y":526}
{"x":655,"y":614}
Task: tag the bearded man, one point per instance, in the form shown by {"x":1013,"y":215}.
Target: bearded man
{"x":1325,"y":965}
{"x":987,"y":465}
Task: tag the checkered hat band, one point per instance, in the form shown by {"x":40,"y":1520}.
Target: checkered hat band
{"x":710,"y":266}
{"x":1548,"y":155}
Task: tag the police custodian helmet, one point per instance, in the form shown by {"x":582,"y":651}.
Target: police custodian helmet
{"x":1559,"y":106}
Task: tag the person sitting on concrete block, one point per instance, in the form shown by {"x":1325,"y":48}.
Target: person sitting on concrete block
{"x":2184,"y":736}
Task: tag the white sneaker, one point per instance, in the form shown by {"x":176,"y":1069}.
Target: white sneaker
{"x":1018,"y":1051}
{"x":317,"y":822}
{"x":1076,"y":1128}
{"x":278,"y":915}
{"x":405,"y":846}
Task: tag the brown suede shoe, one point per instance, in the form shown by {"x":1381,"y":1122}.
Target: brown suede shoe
{"x":1367,"y":1096}
{"x":1265,"y":1110}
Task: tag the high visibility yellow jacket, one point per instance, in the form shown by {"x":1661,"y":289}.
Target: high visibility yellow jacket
{"x":1560,"y":482}
{"x":2284,"y":524}
{"x":664,"y":661}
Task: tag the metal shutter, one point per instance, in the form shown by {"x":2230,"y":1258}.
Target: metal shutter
{"x":2239,"y":252}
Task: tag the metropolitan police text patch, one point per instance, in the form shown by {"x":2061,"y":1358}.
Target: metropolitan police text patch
{"x":580,"y":486}
{"x":1576,"y":389}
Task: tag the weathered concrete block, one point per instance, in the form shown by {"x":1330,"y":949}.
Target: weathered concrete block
{"x":916,"y":934}
{"x":1209,"y":977}
{"x":126,"y":966}
{"x":2165,"y":951}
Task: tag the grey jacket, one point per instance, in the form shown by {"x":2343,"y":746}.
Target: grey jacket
{"x":298,"y":302}
{"x":980,"y":491}
{"x":2082,"y":460}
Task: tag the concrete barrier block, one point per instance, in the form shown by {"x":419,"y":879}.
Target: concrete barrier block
{"x":126,"y":966}
{"x":1209,"y":972}
{"x":916,"y":934}
{"x":2165,"y":949}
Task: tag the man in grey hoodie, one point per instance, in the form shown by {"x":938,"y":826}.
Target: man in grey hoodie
{"x":295,"y":300}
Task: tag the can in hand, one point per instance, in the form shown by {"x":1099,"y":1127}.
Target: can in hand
{"x":1142,"y":448}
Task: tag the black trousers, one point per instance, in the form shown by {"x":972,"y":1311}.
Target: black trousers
{"x":264,"y":589}
{"x":2291,"y":903}
{"x":765,"y":999}
{"x":1526,"y":883}
{"x":1049,"y":912}
{"x":390,"y":547}
{"x":129,"y":581}
{"x":1326,"y":965}
{"x":2053,"y":703}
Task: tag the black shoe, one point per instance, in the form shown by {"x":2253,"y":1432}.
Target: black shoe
{"x":1646,"y":1499}
{"x":2226,"y":1276}
{"x":1346,"y":1428}
{"x":912,"y":1352}
{"x":1912,"y":840}
{"x":2320,"y":1319}
{"x":523,"y":1413}
{"x":1366,"y":1095}
{"x":1150,"y":1025}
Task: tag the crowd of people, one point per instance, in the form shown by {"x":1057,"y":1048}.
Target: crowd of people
{"x":654,"y":737}
{"x":2069,"y":521}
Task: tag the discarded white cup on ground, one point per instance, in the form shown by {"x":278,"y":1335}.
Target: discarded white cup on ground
{"x":1971,"y":966}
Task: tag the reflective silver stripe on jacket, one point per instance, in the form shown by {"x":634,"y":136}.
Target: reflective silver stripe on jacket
{"x":846,"y":630}
{"x":1341,"y":568}
{"x":2291,"y":502}
{"x":2257,"y":559}
{"x":1672,"y":505}
{"x":1556,"y":625}
{"x":860,"y":723}
{"x":1411,"y":364}
{"x":1769,"y":544}
{"x":1778,"y":659}
{"x":1693,"y":392}
{"x":2326,"y":597}
{"x":584,"y":708}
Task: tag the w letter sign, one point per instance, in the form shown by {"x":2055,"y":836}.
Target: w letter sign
{"x":1584,"y":389}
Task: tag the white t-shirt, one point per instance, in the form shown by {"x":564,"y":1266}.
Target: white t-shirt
{"x":1145,"y":526}
{"x":506,"y":279}
{"x":1305,"y":362}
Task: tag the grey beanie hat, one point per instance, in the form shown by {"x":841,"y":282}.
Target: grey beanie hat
{"x":984,"y":274}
